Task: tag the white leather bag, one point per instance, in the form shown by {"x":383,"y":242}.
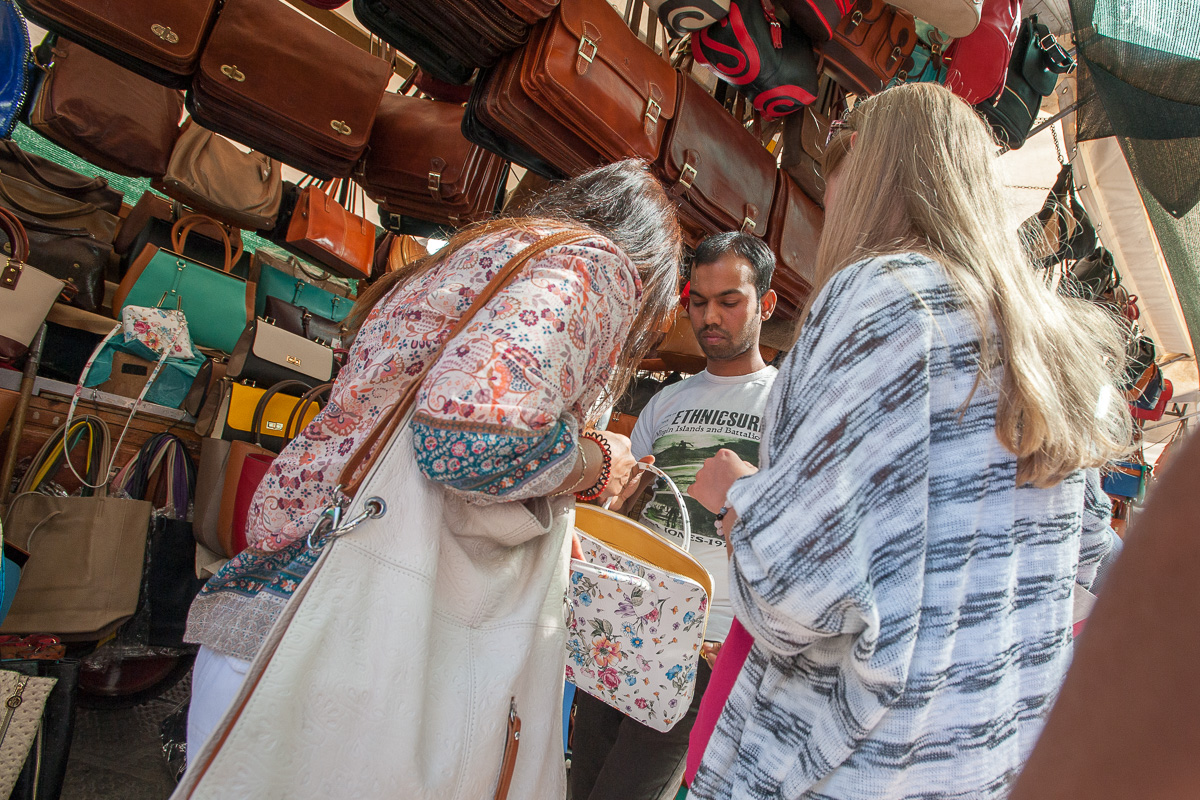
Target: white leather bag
{"x":422,"y":649}
{"x":955,"y":18}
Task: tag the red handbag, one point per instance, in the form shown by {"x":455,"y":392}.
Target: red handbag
{"x":979,"y":62}
{"x":254,"y":469}
{"x":328,"y":232}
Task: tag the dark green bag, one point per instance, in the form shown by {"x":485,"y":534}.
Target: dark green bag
{"x":1037,"y":61}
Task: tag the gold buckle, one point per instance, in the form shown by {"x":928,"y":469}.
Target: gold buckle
{"x":748,"y":225}
{"x":233,"y":73}
{"x":653,"y":111}
{"x":586,"y":42}
{"x":687,"y":175}
{"x":166,"y":34}
{"x":340,"y":127}
{"x":435,"y":183}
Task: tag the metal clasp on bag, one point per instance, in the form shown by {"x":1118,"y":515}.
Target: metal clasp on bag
{"x":586,"y":42}
{"x":163,"y":32}
{"x":340,"y":126}
{"x":687,"y":175}
{"x":330,"y":526}
{"x":653,"y":111}
{"x":233,"y":73}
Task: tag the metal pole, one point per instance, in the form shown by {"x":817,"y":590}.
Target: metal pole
{"x":28,"y":378}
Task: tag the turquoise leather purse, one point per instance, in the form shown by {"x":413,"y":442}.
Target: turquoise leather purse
{"x":216,"y":303}
{"x":273,"y":282}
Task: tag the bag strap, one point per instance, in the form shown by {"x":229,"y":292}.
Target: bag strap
{"x":164,"y":454}
{"x":260,"y":409}
{"x":87,"y":368}
{"x":188,"y":222}
{"x":18,"y":239}
{"x":368,"y":450}
{"x":58,"y":446}
{"x":23,"y":158}
{"x":296,"y":418}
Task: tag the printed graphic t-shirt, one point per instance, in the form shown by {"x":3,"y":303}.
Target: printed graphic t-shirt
{"x":682,"y":426}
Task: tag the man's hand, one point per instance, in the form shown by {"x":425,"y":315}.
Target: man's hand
{"x":637,"y":484}
{"x":716,"y":476}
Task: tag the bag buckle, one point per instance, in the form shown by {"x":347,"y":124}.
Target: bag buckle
{"x":586,"y":42}
{"x":686,"y":176}
{"x":748,"y":225}
{"x":233,"y":73}
{"x":653,"y":111}
{"x":10,"y":275}
{"x":340,"y":126}
{"x":435,"y":183}
{"x":165,"y":33}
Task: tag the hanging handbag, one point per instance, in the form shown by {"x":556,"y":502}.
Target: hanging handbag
{"x":268,"y":354}
{"x":419,"y":164}
{"x":682,"y":17}
{"x":115,"y":119}
{"x":15,"y":76}
{"x":302,"y":95}
{"x":51,"y":208}
{"x":773,"y":66}
{"x":816,"y":19}
{"x":276,"y":270}
{"x":1054,"y":14}
{"x":39,"y":171}
{"x":26,"y":294}
{"x":803,"y":140}
{"x":207,"y":380}
{"x":24,"y":697}
{"x":1092,"y":277}
{"x":957,"y":18}
{"x":150,"y":222}
{"x":85,"y":553}
{"x":161,"y":41}
{"x":211,"y":174}
{"x":584,"y":91}
{"x":793,"y":233}
{"x":484,"y":119}
{"x":871,"y":46}
{"x":631,"y":591}
{"x":228,"y":413}
{"x":327,"y":231}
{"x":722,"y":178}
{"x":159,"y":329}
{"x":979,"y":62}
{"x":214,"y":301}
{"x":1037,"y":61}
{"x":302,"y":322}
{"x":1125,"y":479}
{"x":409,"y":542}
{"x":1152,"y":404}
{"x":1061,"y":230}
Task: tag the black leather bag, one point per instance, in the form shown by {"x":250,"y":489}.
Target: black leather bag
{"x":171,"y":583}
{"x":70,"y":254}
{"x":302,"y":322}
{"x":1037,"y":61}
{"x":773,"y":66}
{"x":46,"y":766}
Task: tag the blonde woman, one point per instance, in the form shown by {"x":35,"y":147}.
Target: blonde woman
{"x":928,"y":498}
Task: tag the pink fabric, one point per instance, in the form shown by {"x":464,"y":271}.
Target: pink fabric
{"x":725,"y":673}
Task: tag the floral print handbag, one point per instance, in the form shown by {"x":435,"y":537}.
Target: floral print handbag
{"x":639,"y":606}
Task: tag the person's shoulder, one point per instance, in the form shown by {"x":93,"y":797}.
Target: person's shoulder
{"x":892,"y":284}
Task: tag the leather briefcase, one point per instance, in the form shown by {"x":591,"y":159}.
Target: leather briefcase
{"x":793,"y":233}
{"x":32,"y":168}
{"x":213,"y":175}
{"x":419,"y":164}
{"x":110,"y":116}
{"x":583,"y":92}
{"x":284,"y":85}
{"x":268,"y":354}
{"x":160,"y":40}
{"x":871,"y":45}
{"x":482,"y":113}
{"x":721,"y":176}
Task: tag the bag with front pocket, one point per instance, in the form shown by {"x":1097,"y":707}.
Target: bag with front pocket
{"x":871,"y":46}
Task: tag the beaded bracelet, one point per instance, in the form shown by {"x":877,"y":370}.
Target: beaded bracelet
{"x":597,"y":489}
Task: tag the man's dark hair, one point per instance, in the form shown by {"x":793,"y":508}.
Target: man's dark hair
{"x":751,"y":248}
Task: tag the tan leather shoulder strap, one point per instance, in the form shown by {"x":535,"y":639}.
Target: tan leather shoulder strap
{"x":363,"y":458}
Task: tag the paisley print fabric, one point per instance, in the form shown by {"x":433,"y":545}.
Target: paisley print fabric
{"x":496,"y":419}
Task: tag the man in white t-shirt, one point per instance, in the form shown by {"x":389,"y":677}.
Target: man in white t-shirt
{"x":613,"y":756}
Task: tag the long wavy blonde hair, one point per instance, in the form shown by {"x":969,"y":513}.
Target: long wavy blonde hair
{"x":921,"y":176}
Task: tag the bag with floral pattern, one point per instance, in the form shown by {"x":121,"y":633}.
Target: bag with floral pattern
{"x":158,"y":329}
{"x":639,"y":606}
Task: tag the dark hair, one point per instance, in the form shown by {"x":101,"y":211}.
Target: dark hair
{"x":751,"y":248}
{"x":622,"y":202}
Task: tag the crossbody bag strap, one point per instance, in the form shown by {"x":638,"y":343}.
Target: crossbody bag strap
{"x":363,"y":458}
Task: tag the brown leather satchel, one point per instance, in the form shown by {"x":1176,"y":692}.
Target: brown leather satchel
{"x":110,"y":116}
{"x":211,"y":174}
{"x":26,"y":198}
{"x":722,"y":177}
{"x":419,"y":164}
{"x":870,"y":46}
{"x":284,"y":85}
{"x":160,"y":40}
{"x":583,"y":91}
{"x":32,"y":168}
{"x":793,"y":234}
{"x":328,"y":232}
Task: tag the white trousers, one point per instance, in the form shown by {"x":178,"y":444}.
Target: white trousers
{"x":216,"y":679}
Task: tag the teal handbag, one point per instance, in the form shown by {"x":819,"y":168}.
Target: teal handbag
{"x":215,"y":302}
{"x":273,"y":282}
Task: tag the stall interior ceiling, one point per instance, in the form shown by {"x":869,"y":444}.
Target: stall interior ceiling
{"x":1107,"y":189}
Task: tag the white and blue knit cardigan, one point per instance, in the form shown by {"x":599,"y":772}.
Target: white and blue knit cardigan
{"x":911,"y":605}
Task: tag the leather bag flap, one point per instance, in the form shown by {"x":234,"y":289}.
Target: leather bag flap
{"x":293,"y":352}
{"x":417,"y":147}
{"x":794,"y":233}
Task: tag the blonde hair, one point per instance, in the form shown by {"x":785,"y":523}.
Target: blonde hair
{"x":921,"y":177}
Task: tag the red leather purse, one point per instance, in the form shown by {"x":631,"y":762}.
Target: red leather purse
{"x":328,"y":232}
{"x":979,"y":62}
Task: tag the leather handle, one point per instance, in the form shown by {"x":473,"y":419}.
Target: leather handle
{"x":188,"y":222}
{"x":358,"y":466}
{"x":17,"y":237}
{"x":21,"y":156}
{"x":260,"y":409}
{"x":296,"y":418}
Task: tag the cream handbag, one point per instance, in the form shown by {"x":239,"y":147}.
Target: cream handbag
{"x":23,"y":698}
{"x":639,"y":607}
{"x":427,"y":634}
{"x":955,"y":18}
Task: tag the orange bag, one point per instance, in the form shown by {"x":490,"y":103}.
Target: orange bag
{"x":327,"y":231}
